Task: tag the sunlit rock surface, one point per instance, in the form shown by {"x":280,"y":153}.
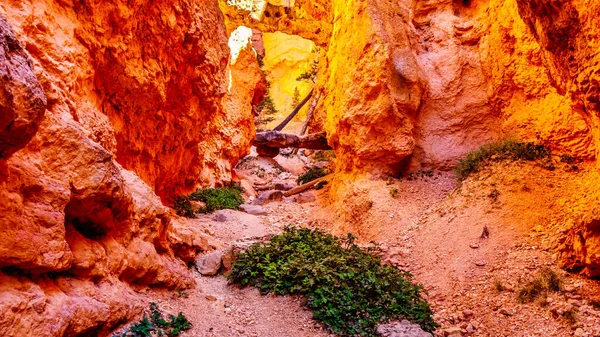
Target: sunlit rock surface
{"x":109,"y":105}
{"x":286,"y":58}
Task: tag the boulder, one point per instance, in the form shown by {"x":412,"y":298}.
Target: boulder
{"x":268,"y":197}
{"x":253,"y":209}
{"x":210,"y":264}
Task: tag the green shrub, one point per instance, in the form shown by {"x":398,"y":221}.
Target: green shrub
{"x":324,"y":155}
{"x":547,"y":281}
{"x":507,"y":149}
{"x":157,"y":325}
{"x":214,"y":198}
{"x":310,"y":175}
{"x":346,"y":286}
{"x":321,"y":184}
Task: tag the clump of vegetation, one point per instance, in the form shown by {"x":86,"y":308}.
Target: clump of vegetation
{"x":324,"y":155}
{"x":499,"y":286}
{"x":547,"y":281}
{"x":507,"y":149}
{"x":346,"y":286}
{"x":394,"y":192}
{"x":265,"y":111}
{"x":310,"y":175}
{"x":214,"y":198}
{"x":494,"y":194}
{"x":414,"y":175}
{"x":321,"y":184}
{"x":311,"y":74}
{"x":157,"y":325}
{"x":181,"y":294}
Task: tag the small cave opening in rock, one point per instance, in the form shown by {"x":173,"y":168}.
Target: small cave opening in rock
{"x":91,"y":218}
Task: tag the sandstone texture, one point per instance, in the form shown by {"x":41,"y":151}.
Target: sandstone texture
{"x":423,"y":83}
{"x":567,"y":32}
{"x":22,"y":99}
{"x":145,"y":90}
{"x":373,"y":87}
{"x":105,"y":109}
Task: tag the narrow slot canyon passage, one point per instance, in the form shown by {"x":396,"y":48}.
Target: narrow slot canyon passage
{"x":295,"y":168}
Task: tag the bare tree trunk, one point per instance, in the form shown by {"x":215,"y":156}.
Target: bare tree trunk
{"x":295,"y":112}
{"x":311,"y":110}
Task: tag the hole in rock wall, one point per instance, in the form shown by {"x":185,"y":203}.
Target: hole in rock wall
{"x":466,"y":7}
{"x":92,"y":218}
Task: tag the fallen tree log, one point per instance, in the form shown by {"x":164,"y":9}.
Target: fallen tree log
{"x":295,"y":112}
{"x":305,"y":187}
{"x":276,"y":139}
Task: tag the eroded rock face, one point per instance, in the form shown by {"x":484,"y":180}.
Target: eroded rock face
{"x":22,"y":99}
{"x":128,"y":85}
{"x":568,"y":32}
{"x":467,"y":73}
{"x":373,"y":87}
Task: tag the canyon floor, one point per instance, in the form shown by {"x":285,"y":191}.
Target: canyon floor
{"x":429,"y":224}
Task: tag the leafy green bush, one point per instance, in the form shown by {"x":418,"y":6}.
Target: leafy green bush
{"x":310,"y":175}
{"x":547,"y":280}
{"x":321,"y":184}
{"x":507,"y":149}
{"x":156,"y":325}
{"x":346,"y":286}
{"x":214,"y":198}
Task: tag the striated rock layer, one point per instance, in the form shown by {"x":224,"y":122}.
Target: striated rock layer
{"x":103,"y":106}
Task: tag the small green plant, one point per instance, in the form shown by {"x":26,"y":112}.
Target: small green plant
{"x":346,"y":286}
{"x":296,"y":98}
{"x":310,"y":175}
{"x":311,"y":74}
{"x":181,"y":294}
{"x":157,"y":325}
{"x":567,"y":159}
{"x":321,"y":184}
{"x":394,"y":192}
{"x":507,"y":149}
{"x":214,"y":198}
{"x":142,"y":328}
{"x":325,"y":155}
{"x":414,"y":175}
{"x":494,"y":194}
{"x":499,"y":286}
{"x":546,"y":281}
{"x":570,"y":315}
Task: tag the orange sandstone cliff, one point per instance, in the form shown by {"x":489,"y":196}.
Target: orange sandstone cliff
{"x":105,"y":107}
